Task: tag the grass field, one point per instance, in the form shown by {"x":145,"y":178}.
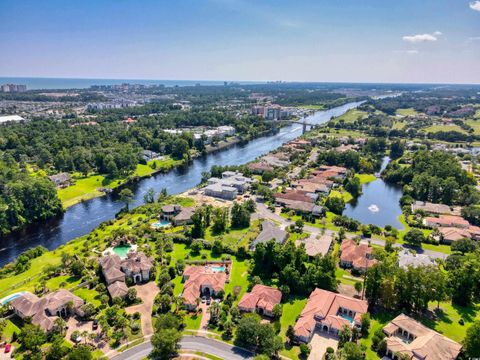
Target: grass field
{"x":291,"y":310}
{"x":407,"y":112}
{"x":365,"y":178}
{"x":341,"y":193}
{"x":89,"y":295}
{"x":86,"y":188}
{"x":240,"y":237}
{"x":352,"y":115}
{"x":437,"y":128}
{"x":8,"y":331}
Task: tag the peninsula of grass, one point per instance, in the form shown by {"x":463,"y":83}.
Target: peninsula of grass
{"x":88,"y":187}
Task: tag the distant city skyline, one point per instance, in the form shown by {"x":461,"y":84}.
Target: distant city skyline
{"x":375,"y":41}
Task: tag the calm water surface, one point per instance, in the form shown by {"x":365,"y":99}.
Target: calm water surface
{"x":378,"y":204}
{"x":82,"y":218}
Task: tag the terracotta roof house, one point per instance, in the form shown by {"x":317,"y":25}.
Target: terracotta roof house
{"x":335,"y":172}
{"x":201,"y":281}
{"x":407,"y":336}
{"x":447,"y":221}
{"x":270,"y":231}
{"x":356,"y":256}
{"x":261,"y":299}
{"x":328,"y":312}
{"x":260,"y":167}
{"x":43,"y":311}
{"x":431,"y":208}
{"x":295,"y":196}
{"x":309,"y":186}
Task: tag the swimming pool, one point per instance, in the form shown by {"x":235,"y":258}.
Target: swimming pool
{"x":160,"y":224}
{"x":9,"y":298}
{"x":346,"y":317}
{"x":122,"y":250}
{"x":218,"y":268}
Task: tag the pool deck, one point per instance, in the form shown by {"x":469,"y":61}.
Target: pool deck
{"x":111,"y":251}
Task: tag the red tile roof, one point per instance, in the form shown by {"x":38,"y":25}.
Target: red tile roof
{"x":198,"y":276}
{"x":324,"y":305}
{"x":261,"y":296}
{"x":358,"y":255}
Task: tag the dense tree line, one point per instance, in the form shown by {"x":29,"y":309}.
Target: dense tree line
{"x":25,"y":199}
{"x":434,"y":176}
{"x":290,"y":264}
{"x":349,"y":159}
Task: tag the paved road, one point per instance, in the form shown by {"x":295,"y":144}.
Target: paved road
{"x":265,"y":213}
{"x":194,"y":343}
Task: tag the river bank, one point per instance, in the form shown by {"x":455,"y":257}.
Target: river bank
{"x":83,"y":217}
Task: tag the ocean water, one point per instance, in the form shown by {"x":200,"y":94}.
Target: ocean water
{"x":34,"y":83}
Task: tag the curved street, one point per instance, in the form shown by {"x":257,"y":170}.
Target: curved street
{"x":194,"y":343}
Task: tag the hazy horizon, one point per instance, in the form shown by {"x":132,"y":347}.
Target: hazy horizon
{"x":427,"y":42}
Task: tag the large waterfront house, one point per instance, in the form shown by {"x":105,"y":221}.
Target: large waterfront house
{"x":328,"y":312}
{"x":262,"y":299}
{"x":136,"y":266}
{"x":43,"y":311}
{"x":201,"y":281}
{"x":409,"y":337}
{"x":177,"y":214}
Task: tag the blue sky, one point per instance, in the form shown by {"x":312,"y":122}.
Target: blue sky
{"x":294,"y":40}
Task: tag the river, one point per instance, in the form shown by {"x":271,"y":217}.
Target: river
{"x":379,"y":203}
{"x":82,"y":218}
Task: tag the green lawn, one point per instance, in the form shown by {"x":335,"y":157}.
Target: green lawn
{"x":341,"y":193}
{"x":291,"y":310}
{"x":346,"y":278}
{"x":165,"y":164}
{"x":193,"y":321}
{"x":8,"y":330}
{"x":407,"y":112}
{"x":85,"y":188}
{"x":352,"y":115}
{"x":437,"y":128}
{"x":236,"y":237}
{"x":89,"y":295}
{"x":54,"y":283}
{"x":365,"y":178}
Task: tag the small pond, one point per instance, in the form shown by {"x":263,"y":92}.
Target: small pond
{"x":379,"y":203}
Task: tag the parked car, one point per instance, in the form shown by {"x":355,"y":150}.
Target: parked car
{"x":208,"y":301}
{"x":8,"y":347}
{"x":204,"y":299}
{"x":95,"y":324}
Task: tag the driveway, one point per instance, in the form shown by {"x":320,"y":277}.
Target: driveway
{"x":194,"y":343}
{"x":147,"y":293}
{"x":319,"y":344}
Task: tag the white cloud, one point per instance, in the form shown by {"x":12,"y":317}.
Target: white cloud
{"x":409,"y":52}
{"x":475,"y":5}
{"x":419,"y":38}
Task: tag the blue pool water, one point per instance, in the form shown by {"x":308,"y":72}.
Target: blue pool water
{"x":7,"y":299}
{"x":161,"y":224}
{"x":218,"y":268}
{"x":346,"y":317}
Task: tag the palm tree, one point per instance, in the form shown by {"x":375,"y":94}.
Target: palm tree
{"x":84,"y":335}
